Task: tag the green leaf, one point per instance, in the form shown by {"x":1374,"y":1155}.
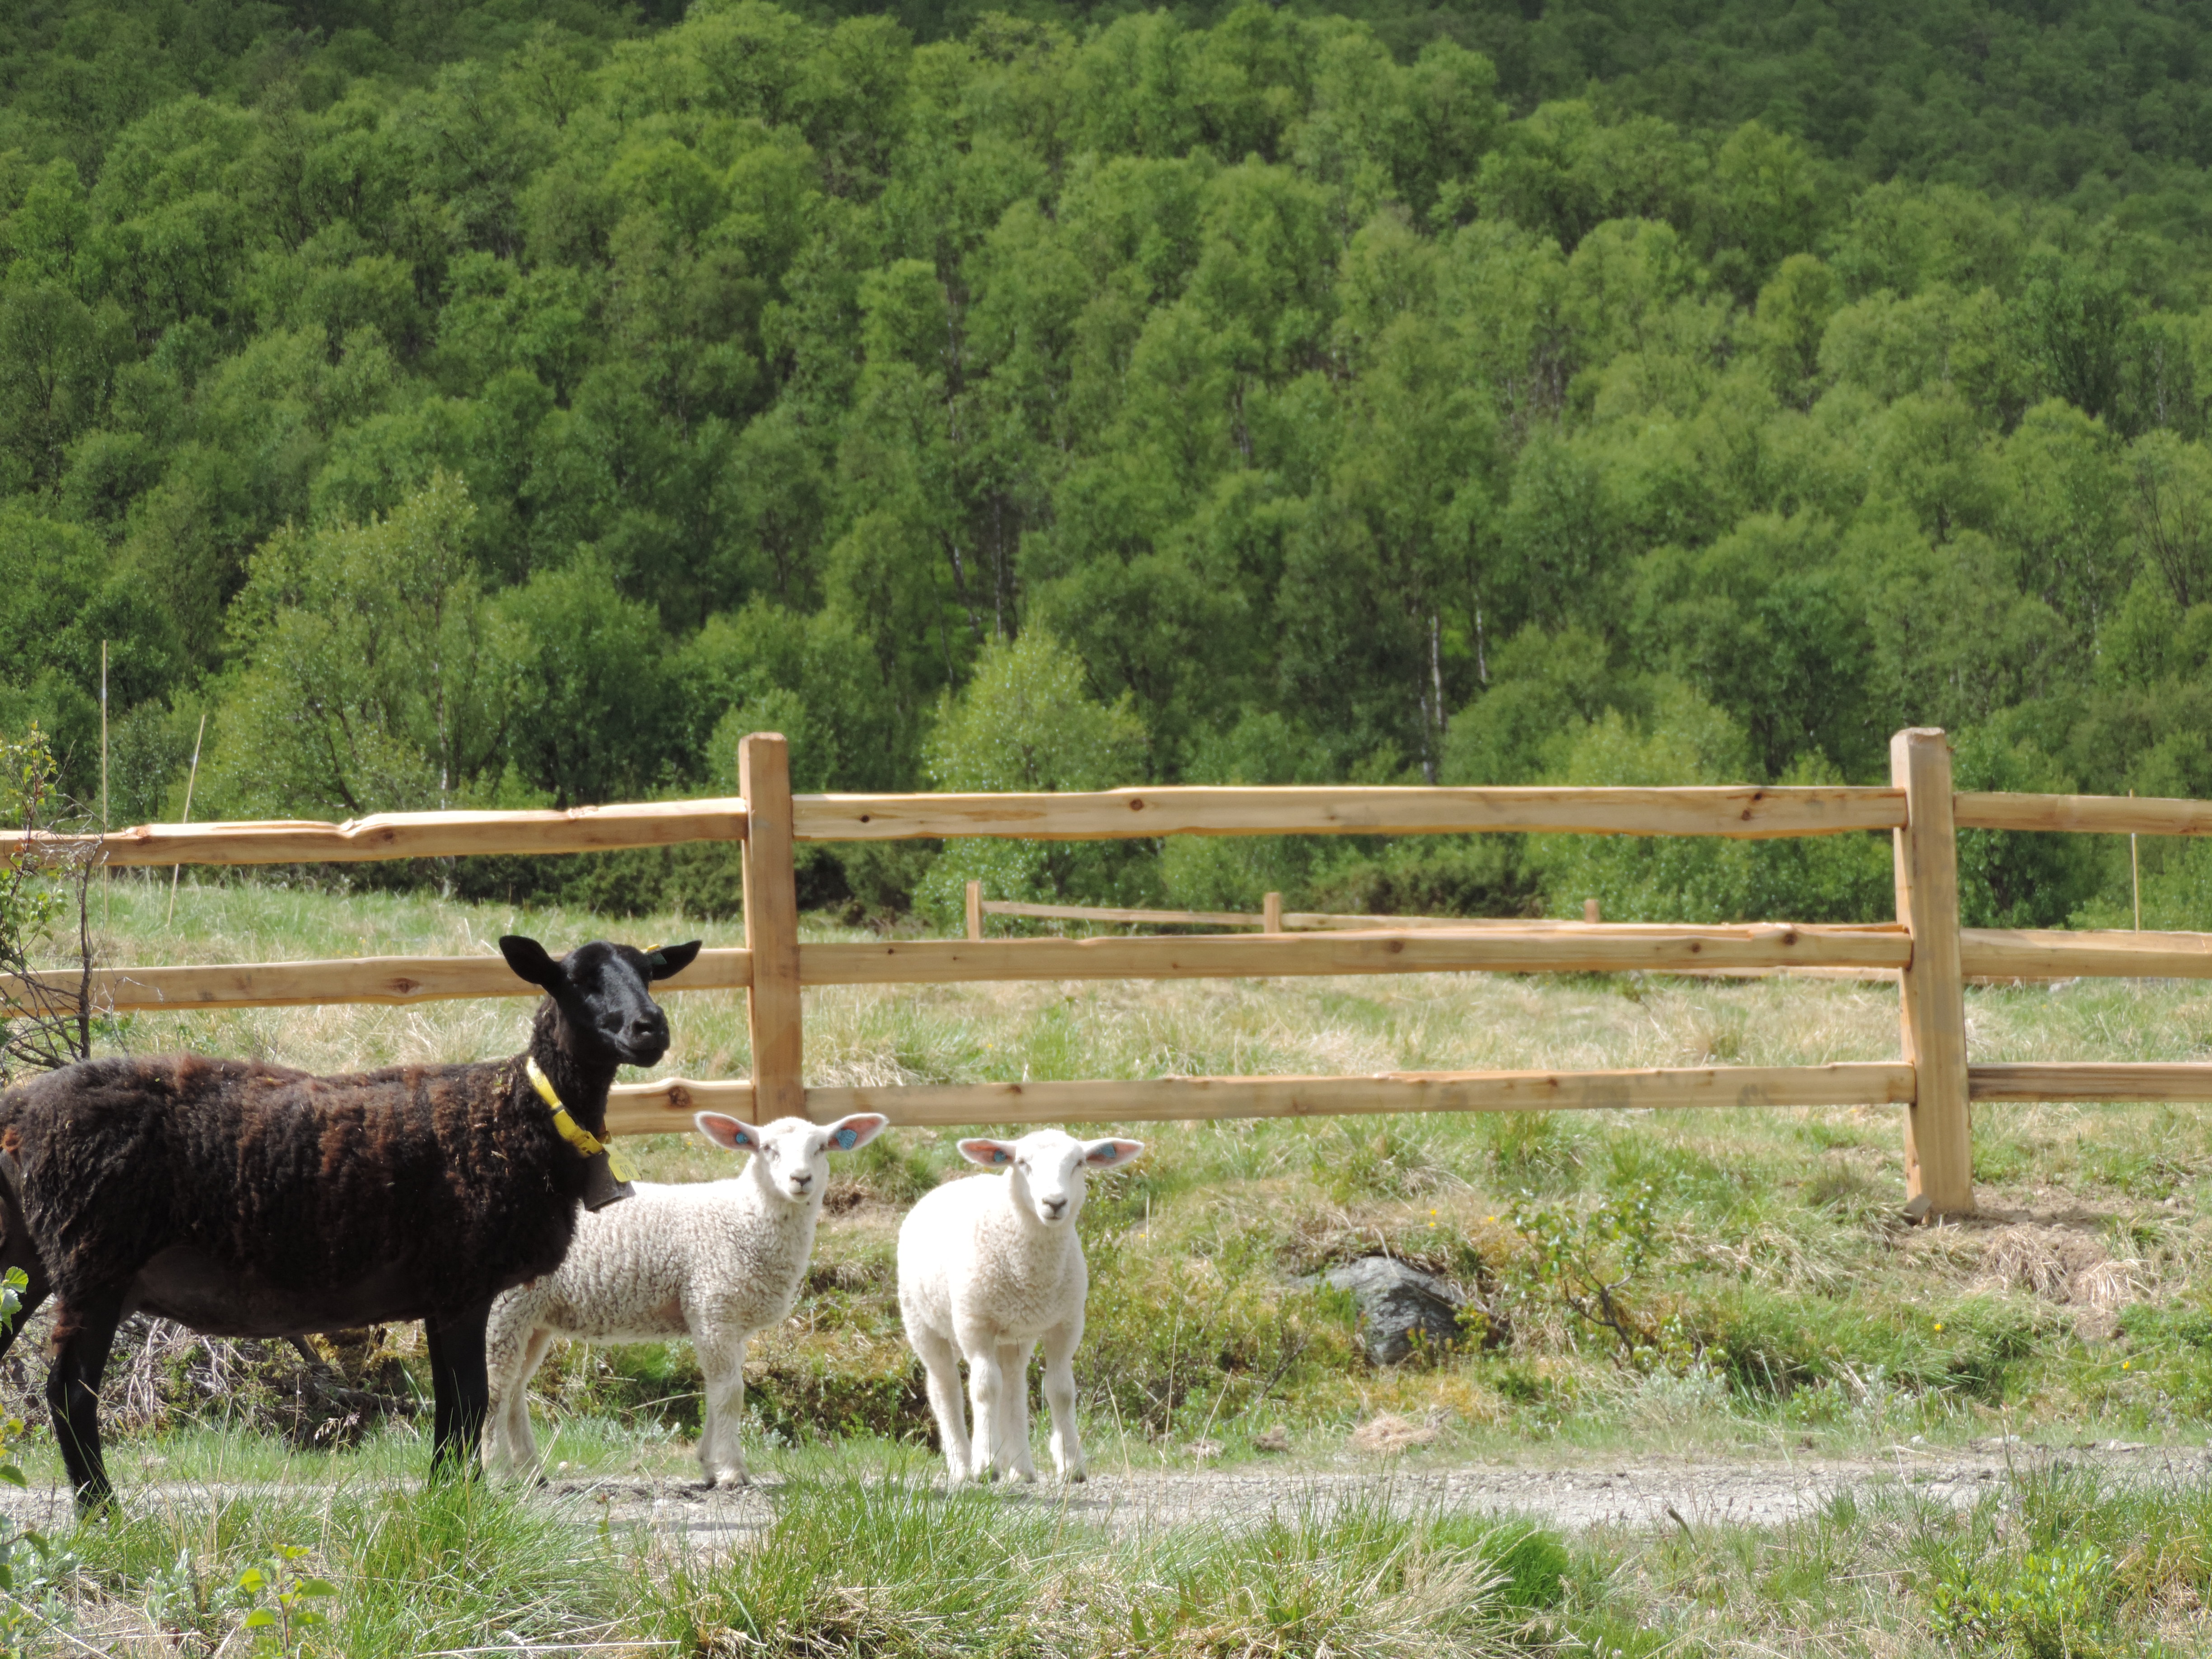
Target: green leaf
{"x":260,"y":1619}
{"x":13,"y":1475}
{"x":253,"y":1581}
{"x":314,"y":1587}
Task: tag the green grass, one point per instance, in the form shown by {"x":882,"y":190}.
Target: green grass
{"x":1783,"y":1307}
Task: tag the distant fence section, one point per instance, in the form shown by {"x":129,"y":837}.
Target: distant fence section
{"x":1929,"y":954}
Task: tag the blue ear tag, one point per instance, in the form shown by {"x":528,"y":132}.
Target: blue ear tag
{"x":845,"y":1140}
{"x":997,"y":1155}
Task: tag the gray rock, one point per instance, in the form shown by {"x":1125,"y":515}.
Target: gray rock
{"x":1395,"y":1301}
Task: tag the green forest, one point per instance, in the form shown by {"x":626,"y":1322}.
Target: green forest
{"x":513,"y":404}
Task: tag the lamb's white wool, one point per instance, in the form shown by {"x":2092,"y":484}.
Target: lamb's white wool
{"x":718,"y":1260}
{"x":987,"y":1269}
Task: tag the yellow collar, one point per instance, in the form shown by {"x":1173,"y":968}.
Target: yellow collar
{"x":571,"y":1131}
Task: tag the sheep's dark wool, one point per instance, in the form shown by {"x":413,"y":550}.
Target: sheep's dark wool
{"x":247,"y":1200}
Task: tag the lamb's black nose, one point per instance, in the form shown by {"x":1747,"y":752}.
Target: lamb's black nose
{"x":1053,"y":1206}
{"x":649,"y":1028}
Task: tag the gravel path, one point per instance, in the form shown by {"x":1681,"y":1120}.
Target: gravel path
{"x":1617,"y":1491}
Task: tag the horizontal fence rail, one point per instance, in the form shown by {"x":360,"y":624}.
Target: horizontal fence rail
{"x":1489,"y":946}
{"x":1924,"y":950}
{"x":646,"y":1108}
{"x":409,"y":836}
{"x":1740,"y":812}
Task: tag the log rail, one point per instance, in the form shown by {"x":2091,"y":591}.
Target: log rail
{"x":1924,"y":947}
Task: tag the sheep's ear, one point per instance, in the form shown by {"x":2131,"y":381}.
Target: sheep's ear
{"x":849,"y":1134}
{"x":666,"y":961}
{"x":1108,"y":1153}
{"x":530,"y":961}
{"x":991,"y":1154}
{"x":727,"y":1133}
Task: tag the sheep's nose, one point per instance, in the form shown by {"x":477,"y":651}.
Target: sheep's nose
{"x":646,"y":1027}
{"x":1053,"y":1206}
{"x":803,"y":1179}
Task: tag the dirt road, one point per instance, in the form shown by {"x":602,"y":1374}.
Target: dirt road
{"x":1572,"y":1495}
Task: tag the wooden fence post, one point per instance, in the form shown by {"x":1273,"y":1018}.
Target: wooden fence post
{"x":771,"y":928}
{"x":1939,"y":1164}
{"x":975,"y":910}
{"x":1271,"y":913}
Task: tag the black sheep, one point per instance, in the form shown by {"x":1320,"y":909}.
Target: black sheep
{"x":247,"y":1200}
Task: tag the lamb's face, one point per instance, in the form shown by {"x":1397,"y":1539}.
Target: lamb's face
{"x":791,"y":1155}
{"x":1046,"y":1171}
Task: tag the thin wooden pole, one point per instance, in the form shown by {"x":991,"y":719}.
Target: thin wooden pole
{"x":976,"y":909}
{"x":1271,"y":913}
{"x":771,"y":928}
{"x":1939,"y":1176}
{"x":1590,"y":911}
{"x":191,"y":779}
{"x":2135,"y":873}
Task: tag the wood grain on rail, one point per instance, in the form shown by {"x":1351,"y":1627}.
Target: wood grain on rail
{"x":1745,"y":811}
{"x":2109,"y":815}
{"x":2091,"y":1080}
{"x":665,"y":1106}
{"x":377,"y":981}
{"x":2062,"y":953}
{"x":411,"y":835}
{"x":1590,"y":948}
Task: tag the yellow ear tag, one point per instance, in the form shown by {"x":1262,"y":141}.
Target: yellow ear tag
{"x":587,"y":1143}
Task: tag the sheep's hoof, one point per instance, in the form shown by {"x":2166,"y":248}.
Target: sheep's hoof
{"x":1075,"y":1477}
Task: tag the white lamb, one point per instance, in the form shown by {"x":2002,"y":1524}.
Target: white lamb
{"x":988,"y":1268}
{"x":719,"y":1259}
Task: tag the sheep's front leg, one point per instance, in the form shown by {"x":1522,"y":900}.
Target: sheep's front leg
{"x":1014,"y":1367}
{"x":461,"y":1387}
{"x":986,"y":1395}
{"x":722,"y":1360}
{"x":940,"y":1364}
{"x":1060,"y":1344}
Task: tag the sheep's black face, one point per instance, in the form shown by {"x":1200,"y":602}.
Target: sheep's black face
{"x":601,"y":991}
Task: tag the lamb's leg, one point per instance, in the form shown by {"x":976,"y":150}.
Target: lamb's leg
{"x":1060,"y":1344}
{"x":82,"y":1337}
{"x":986,"y":1395}
{"x":940,"y":1364}
{"x":722,"y":1362}
{"x":462,"y":1390}
{"x":514,"y":1346}
{"x":1014,"y":1366}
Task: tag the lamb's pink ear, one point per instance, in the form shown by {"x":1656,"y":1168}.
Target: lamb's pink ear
{"x":727,"y":1133}
{"x":1111,"y":1154}
{"x":991,"y":1154}
{"x":849,"y":1134}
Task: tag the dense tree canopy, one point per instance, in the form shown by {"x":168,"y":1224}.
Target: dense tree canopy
{"x":464,"y":406}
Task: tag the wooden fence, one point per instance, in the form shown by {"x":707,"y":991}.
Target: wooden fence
{"x":1932,"y":956}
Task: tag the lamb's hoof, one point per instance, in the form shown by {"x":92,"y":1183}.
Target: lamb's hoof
{"x":1027,"y":1477}
{"x":541,"y":1481}
{"x":1075,"y":1478}
{"x":730,"y":1481}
